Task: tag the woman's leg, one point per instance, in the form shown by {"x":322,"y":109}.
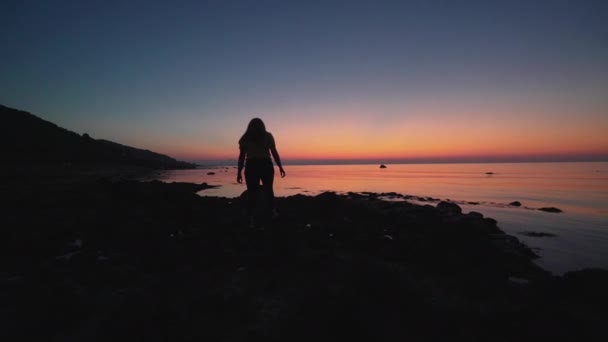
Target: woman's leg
{"x":267,"y":176}
{"x":252,"y":179}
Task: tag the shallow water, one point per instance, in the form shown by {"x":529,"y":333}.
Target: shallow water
{"x":579,"y":189}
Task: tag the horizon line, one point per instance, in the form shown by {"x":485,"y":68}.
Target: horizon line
{"x":496,"y":160}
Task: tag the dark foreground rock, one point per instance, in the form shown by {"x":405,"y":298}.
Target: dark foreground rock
{"x":107,"y":261}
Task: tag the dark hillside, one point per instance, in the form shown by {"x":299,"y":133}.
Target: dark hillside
{"x":26,"y":138}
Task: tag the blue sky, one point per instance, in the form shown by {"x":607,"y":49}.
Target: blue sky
{"x":184,"y":78}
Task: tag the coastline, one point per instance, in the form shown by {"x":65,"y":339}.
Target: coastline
{"x":101,"y":258}
{"x":576,"y":188}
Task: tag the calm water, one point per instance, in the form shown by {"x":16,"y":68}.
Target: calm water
{"x":579,"y":189}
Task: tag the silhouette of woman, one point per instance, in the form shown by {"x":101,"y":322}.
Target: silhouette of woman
{"x":257,"y":145}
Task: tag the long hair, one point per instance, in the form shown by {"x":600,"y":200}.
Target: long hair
{"x":256,"y":130}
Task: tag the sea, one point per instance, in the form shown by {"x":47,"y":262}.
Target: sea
{"x":579,"y":234}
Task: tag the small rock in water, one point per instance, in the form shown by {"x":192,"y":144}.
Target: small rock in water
{"x":210,"y":173}
{"x":382,"y":166}
{"x":537,"y":234}
{"x":515,"y":203}
{"x":489,"y":173}
{"x":551,"y":210}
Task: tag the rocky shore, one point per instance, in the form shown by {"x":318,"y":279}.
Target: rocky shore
{"x":114,"y":259}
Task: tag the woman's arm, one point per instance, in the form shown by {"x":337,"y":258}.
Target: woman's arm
{"x":277,"y":159}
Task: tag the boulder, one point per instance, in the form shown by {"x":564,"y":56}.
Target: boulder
{"x":475,"y":215}
{"x":449,"y":208}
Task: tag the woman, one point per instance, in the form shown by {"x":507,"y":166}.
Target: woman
{"x":257,"y":145}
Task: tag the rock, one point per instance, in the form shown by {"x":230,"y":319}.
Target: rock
{"x":205,"y":186}
{"x":519,"y":281}
{"x":511,"y":245}
{"x":515,"y":204}
{"x":67,"y":257}
{"x":550,"y":209}
{"x":490,"y":221}
{"x":391,"y":194}
{"x":489,"y":173}
{"x":584,"y":292}
{"x":475,"y":215}
{"x":77,"y":243}
{"x":449,"y":208}
{"x":102,"y":258}
{"x":416,"y":265}
{"x":595,"y":279}
{"x":382,"y":166}
{"x":537,"y":234}
{"x":210,"y":173}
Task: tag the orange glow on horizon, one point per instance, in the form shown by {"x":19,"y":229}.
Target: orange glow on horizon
{"x":434,"y":148}
{"x":430,"y":154}
{"x":423,"y":133}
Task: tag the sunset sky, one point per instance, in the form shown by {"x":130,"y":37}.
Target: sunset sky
{"x":399,"y":80}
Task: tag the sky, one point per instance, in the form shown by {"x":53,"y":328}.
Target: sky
{"x":343,"y":81}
